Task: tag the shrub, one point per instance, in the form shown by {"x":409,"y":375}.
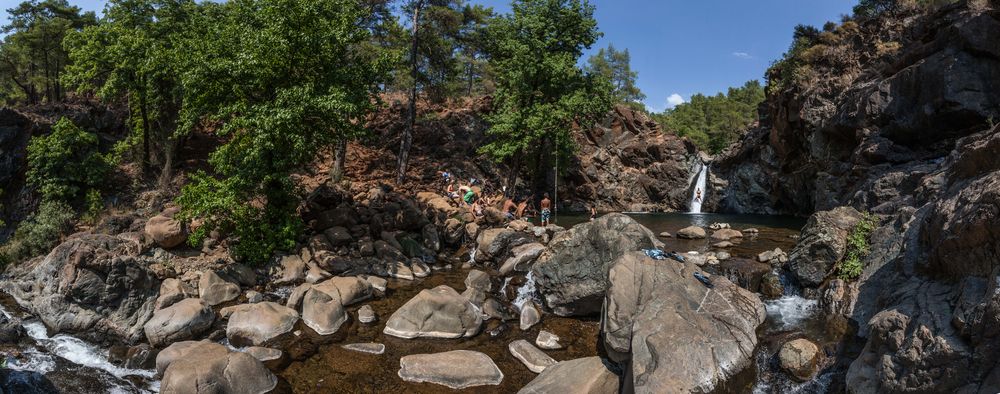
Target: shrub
{"x":39,"y":233}
{"x":65,"y":163}
{"x":259,"y":228}
{"x":857,"y":248}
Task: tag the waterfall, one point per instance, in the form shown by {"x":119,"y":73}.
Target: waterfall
{"x":699,"y":185}
{"x":526,"y":292}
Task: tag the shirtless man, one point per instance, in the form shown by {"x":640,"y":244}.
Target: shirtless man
{"x":521,"y":208}
{"x":698,"y":195}
{"x":546,"y":209}
{"x":508,"y":208}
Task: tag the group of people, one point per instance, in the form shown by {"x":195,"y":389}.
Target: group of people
{"x":472,"y":197}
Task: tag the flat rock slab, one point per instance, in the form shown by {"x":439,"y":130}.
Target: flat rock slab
{"x":457,"y":369}
{"x":533,"y":358}
{"x":370,"y":348}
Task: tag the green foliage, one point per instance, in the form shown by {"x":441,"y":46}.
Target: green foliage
{"x":284,"y":80}
{"x":785,"y":72}
{"x":93,"y":205}
{"x":614,"y":65}
{"x":39,"y":233}
{"x":715,"y":122}
{"x":541,"y":92}
{"x":65,"y":163}
{"x":857,"y":248}
{"x":31,"y":55}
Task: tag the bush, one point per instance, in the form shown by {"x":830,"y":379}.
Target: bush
{"x":258,"y":228}
{"x":857,"y":248}
{"x":39,"y":233}
{"x":65,"y":163}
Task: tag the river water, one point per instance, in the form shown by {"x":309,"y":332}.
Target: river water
{"x":333,"y":369}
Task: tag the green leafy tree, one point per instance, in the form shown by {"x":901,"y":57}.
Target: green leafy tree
{"x":615,"y":66}
{"x":541,"y":93}
{"x":715,"y":122}
{"x":283,"y":79}
{"x":31,"y":55}
{"x":66,"y":163}
{"x":137,"y":54}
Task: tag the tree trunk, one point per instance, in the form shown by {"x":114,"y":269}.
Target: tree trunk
{"x":407,"y":140}
{"x":167,"y":173}
{"x":145,"y":132}
{"x":515,"y":168}
{"x":339,"y":156}
{"x":543,"y":167}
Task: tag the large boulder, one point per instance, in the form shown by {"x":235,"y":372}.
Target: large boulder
{"x":323,"y":312}
{"x":349,"y":289}
{"x":495,"y":243}
{"x":457,"y":369}
{"x":292,"y":270}
{"x":583,"y":375}
{"x":822,"y":244}
{"x":183,"y":320}
{"x":572,"y":274}
{"x":173,"y":290}
{"x":210,"y":368}
{"x":256,"y":324}
{"x":90,"y":284}
{"x":435,"y":313}
{"x":166,"y":231}
{"x":670,"y":332}
{"x":522,"y":258}
{"x":725,"y":234}
{"x":798,"y":358}
{"x":215,"y":290}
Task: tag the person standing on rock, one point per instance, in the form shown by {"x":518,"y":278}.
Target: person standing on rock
{"x":546,"y":209}
{"x":521,"y":207}
{"x":593,"y":212}
{"x":698,"y":195}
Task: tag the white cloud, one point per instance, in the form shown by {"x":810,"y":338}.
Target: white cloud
{"x":742,"y":55}
{"x":674,"y":100}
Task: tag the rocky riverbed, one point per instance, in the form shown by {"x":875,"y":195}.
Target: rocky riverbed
{"x":389,"y":291}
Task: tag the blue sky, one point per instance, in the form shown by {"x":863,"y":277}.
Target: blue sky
{"x":683,"y":47}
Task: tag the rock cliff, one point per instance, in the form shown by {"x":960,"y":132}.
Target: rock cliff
{"x":905,"y":128}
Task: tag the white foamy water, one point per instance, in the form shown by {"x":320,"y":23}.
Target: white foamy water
{"x":790,"y":311}
{"x":699,"y":185}
{"x":74,"y":350}
{"x":526,"y":292}
{"x":79,"y":352}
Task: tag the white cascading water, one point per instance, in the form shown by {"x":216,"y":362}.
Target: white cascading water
{"x":699,"y":184}
{"x":73,"y":349}
{"x":526,"y":292}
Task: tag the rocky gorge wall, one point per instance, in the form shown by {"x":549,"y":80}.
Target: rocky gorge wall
{"x":911,"y":137}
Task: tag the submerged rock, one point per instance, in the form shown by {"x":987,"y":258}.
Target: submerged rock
{"x":457,"y":369}
{"x":583,"y":375}
{"x":370,"y":348}
{"x":435,"y":313}
{"x":572,"y":274}
{"x":366,"y":314}
{"x":671,"y":332}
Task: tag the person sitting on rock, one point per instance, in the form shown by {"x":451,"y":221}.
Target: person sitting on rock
{"x":508,"y":208}
{"x":521,"y":207}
